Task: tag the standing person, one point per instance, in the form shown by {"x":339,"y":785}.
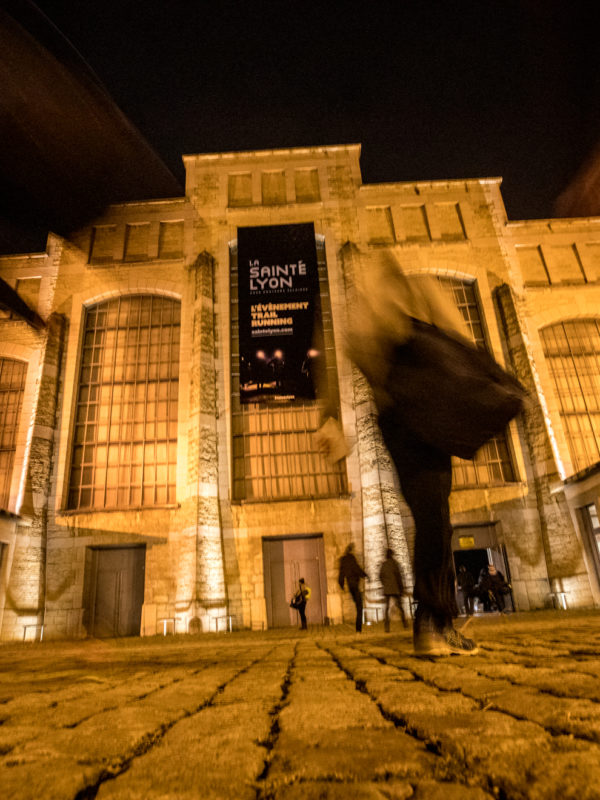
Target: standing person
{"x":496,"y":585}
{"x":466,"y":586}
{"x":482,"y":589}
{"x":299,"y":602}
{"x":352,"y":572}
{"x":408,"y":338}
{"x":393,"y":587}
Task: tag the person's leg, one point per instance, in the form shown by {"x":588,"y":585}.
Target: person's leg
{"x":386,"y":621}
{"x":398,"y":600}
{"x":302,"y":610}
{"x":425,"y":476}
{"x":357,"y":597}
{"x":469,"y":602}
{"x":499,"y":600}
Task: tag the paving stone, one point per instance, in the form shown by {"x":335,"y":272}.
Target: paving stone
{"x":275,"y":716}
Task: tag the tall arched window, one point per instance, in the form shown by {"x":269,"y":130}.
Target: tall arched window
{"x":12,"y":385}
{"x":493,"y":462}
{"x":125,"y":439}
{"x":572,"y":351}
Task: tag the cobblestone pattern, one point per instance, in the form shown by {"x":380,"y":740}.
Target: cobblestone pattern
{"x":328,"y":715}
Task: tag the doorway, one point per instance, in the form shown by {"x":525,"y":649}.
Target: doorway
{"x":286,"y":559}
{"x":476,"y":546}
{"x":588,"y":515}
{"x":115,"y":592}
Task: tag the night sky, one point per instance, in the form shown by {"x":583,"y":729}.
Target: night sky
{"x":430,"y":90}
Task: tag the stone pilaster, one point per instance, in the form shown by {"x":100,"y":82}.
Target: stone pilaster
{"x":210,"y":590}
{"x":25,"y":597}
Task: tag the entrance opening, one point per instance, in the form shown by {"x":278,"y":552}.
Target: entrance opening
{"x":473,"y":560}
{"x":114,"y":591}
{"x":591,"y":527}
{"x":474,"y":547}
{"x":286,"y":560}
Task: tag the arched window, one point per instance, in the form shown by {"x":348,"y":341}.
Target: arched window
{"x":493,"y":463}
{"x":12,"y":385}
{"x":125,"y":439}
{"x":572,"y":351}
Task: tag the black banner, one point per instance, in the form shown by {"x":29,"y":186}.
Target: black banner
{"x":279,"y":312}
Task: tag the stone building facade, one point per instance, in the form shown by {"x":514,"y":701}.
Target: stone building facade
{"x":141,"y":496}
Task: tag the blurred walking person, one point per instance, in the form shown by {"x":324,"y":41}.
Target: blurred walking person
{"x":437,"y":395}
{"x":393,"y":587}
{"x":351,"y":572}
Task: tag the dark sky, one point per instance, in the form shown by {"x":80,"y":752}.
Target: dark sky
{"x":431,"y":90}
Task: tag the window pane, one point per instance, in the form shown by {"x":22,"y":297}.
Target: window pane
{"x":121,"y":457}
{"x":492,"y":463}
{"x":572,"y":351}
{"x":12,"y":386}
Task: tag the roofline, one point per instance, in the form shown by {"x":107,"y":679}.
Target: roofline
{"x":434,"y":183}
{"x":296,"y":151}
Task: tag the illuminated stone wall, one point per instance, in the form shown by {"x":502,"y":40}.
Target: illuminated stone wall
{"x":204,"y":553}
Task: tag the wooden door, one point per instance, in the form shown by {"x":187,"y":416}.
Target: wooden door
{"x":286,"y":560}
{"x":118,"y":591}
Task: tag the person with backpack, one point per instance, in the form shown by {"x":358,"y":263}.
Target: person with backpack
{"x":299,"y":601}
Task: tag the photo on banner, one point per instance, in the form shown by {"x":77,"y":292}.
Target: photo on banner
{"x":281,"y":332}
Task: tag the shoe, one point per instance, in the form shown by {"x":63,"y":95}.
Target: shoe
{"x":448,"y":642}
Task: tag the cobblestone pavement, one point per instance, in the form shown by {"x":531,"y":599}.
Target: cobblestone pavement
{"x":327,"y":714}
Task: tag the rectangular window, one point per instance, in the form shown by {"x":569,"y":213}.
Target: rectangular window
{"x":103,"y":244}
{"x":564,"y":264}
{"x":273,"y":188}
{"x":414,"y":223}
{"x":450,"y":221}
{"x":274,"y":453}
{"x":533,"y":265}
{"x":307,"y":185}
{"x":12,"y":387}
{"x":380,"y":225}
{"x":136,"y":242}
{"x":240,"y":189}
{"x":170,"y":239}
{"x":28,"y":290}
{"x":125,"y":438}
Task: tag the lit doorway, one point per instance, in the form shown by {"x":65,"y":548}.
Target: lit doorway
{"x":591,"y":528}
{"x":286,"y":560}
{"x":476,"y":546}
